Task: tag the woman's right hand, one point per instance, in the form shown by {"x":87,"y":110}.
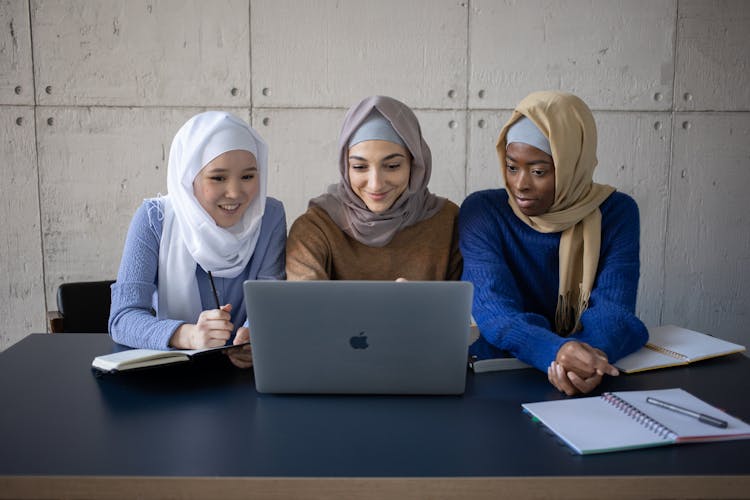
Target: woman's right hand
{"x":213,"y":329}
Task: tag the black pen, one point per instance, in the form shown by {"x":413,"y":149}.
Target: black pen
{"x":706,"y":419}
{"x":213,"y":287}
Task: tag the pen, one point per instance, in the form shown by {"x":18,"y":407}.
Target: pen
{"x":213,"y":287}
{"x":706,"y":419}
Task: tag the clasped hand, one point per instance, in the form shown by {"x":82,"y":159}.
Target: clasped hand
{"x":578,"y":368}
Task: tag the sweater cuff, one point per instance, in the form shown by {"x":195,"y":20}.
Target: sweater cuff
{"x":529,"y":341}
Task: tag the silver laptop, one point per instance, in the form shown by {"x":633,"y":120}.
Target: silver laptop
{"x":359,"y":337}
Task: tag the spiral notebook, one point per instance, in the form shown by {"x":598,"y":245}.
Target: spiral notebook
{"x":623,"y":420}
{"x":671,"y":345}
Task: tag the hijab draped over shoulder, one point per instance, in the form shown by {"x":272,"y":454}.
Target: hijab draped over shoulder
{"x":416,"y":204}
{"x":569,"y":126}
{"x":190,"y":236}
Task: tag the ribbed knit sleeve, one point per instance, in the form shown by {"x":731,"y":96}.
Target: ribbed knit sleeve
{"x":515,"y":272}
{"x":131,"y":322}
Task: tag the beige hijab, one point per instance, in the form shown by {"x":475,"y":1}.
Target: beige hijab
{"x":569,"y":125}
{"x":416,"y":204}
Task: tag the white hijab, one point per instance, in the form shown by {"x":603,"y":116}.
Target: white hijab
{"x":190,"y":235}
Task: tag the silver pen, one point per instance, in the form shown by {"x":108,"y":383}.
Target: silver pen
{"x":706,"y":419}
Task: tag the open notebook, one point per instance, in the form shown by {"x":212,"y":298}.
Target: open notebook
{"x":671,"y":345}
{"x":624,"y":420}
{"x":132,"y":359}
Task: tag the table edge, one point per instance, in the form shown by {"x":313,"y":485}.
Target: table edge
{"x":579,"y":487}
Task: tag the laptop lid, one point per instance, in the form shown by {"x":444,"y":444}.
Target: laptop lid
{"x":359,"y":337}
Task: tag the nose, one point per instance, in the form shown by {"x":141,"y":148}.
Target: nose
{"x":522,"y":180}
{"x":375,"y":180}
{"x":233,"y":189}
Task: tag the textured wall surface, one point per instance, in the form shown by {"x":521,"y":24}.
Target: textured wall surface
{"x":91,"y":94}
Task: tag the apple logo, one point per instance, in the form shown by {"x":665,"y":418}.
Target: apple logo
{"x":359,"y":341}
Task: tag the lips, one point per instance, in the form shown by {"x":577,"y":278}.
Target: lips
{"x":525,"y":202}
{"x":230,"y":208}
{"x":378,"y":196}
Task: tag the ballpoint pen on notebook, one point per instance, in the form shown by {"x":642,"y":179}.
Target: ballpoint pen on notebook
{"x":213,"y":287}
{"x":706,"y":419}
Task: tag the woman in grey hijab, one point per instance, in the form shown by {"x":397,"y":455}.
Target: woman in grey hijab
{"x":380,"y":222}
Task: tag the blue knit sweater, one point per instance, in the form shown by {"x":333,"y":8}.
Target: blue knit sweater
{"x":134,"y":294}
{"x":514,"y":270}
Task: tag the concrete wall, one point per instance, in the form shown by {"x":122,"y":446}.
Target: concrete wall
{"x":91,"y":93}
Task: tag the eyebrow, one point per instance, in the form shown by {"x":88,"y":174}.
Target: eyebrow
{"x":533,"y":162}
{"x":222,"y":170}
{"x":389,"y":157}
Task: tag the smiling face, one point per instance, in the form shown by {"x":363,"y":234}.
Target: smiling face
{"x":530,"y":178}
{"x":227,"y":185}
{"x":379,"y":173}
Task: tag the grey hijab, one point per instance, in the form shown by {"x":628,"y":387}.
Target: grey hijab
{"x":416,"y":204}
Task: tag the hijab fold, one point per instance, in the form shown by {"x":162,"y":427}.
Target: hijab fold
{"x":570,"y":128}
{"x":416,"y":204}
{"x":190,"y":236}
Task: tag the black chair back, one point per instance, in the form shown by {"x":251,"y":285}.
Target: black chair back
{"x":84,"y":306}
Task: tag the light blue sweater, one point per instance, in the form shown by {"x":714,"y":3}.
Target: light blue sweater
{"x":514,"y":270}
{"x":134,"y":295}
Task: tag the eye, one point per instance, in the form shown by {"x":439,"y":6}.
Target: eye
{"x":393,"y":166}
{"x":248,"y":177}
{"x":538,"y":172}
{"x":358,"y":166}
{"x":217,"y":178}
{"x":511,"y":168}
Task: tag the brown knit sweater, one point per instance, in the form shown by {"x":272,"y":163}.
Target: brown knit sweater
{"x":317,"y":249}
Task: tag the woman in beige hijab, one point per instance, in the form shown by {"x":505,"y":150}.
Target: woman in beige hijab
{"x":554,"y":257}
{"x":380,"y":222}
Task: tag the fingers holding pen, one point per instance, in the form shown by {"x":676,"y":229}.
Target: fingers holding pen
{"x":214,"y":327}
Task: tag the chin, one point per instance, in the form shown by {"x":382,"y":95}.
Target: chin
{"x":530,"y":213}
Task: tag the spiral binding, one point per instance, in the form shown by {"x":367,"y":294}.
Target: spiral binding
{"x":659,"y":429}
{"x":662,"y":350}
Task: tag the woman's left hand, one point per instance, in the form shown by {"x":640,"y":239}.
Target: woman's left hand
{"x":243,"y":356}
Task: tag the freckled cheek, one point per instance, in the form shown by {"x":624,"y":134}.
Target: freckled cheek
{"x":208,"y":195}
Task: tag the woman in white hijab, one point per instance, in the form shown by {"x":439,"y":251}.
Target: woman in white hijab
{"x":216,"y":224}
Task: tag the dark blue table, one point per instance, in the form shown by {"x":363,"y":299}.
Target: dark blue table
{"x":200,"y":429}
